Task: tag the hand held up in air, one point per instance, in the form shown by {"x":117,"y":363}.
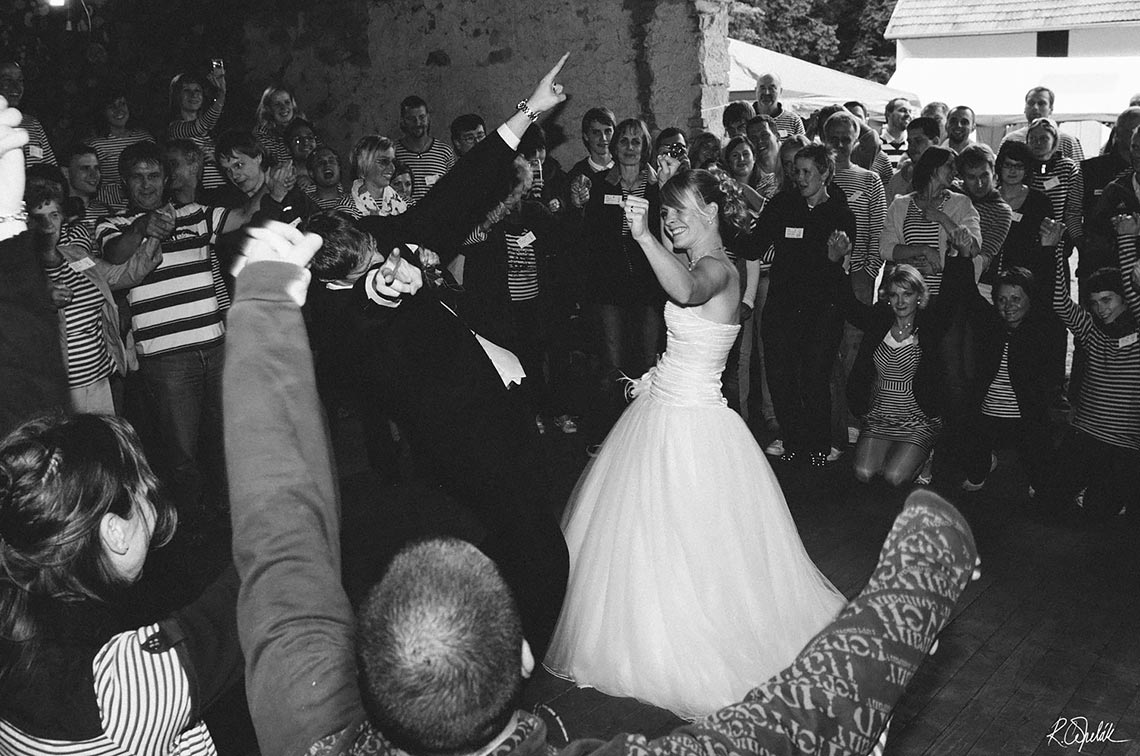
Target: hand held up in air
{"x":548,"y":93}
{"x":12,"y":140}
{"x":281,"y":242}
{"x":1051,"y":231}
{"x":636,"y":209}
{"x":838,"y":245}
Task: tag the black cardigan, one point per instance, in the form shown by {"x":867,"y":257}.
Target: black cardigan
{"x":930,"y":326}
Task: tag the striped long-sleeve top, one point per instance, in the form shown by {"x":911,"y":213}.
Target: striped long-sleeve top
{"x":201,"y":132}
{"x":867,"y":200}
{"x":1108,"y":407}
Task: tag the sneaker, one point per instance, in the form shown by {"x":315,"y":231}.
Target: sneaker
{"x":818,"y":459}
{"x":1080,"y":499}
{"x":834,"y":455}
{"x":593,"y":449}
{"x":1032,"y":492}
{"x":788,"y":456}
{"x":852,"y":436}
{"x":971,"y":487}
{"x":775,"y":449}
{"x":539,"y":424}
{"x":993,"y":461}
{"x":566,"y":424}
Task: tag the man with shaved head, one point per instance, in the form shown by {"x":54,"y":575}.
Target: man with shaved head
{"x":768,"y":91}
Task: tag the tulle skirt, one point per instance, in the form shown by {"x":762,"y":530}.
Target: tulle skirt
{"x":689,"y":584}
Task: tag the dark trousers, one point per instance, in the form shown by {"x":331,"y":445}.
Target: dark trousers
{"x":983,"y":435}
{"x":1109,"y":475}
{"x":800,"y":346}
{"x":630,"y":337}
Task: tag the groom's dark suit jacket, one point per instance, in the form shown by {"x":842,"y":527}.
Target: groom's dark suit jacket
{"x":443,"y":391}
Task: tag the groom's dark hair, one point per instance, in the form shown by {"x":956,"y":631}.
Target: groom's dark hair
{"x":439,"y":650}
{"x":344,"y":245}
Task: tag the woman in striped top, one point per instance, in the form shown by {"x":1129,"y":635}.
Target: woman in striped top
{"x":79,"y":513}
{"x":897,"y":381}
{"x":922,"y":226}
{"x":1008,"y":398}
{"x":1098,"y":462}
{"x":113,"y":135}
{"x":187,"y":97}
{"x":275,"y":111}
{"x":92,"y":347}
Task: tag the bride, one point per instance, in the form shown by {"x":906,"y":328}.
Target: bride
{"x":689,"y":584}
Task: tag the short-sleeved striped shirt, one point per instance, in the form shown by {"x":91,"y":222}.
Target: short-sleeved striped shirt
{"x":88,"y":360}
{"x":867,"y":200}
{"x":427,"y":167}
{"x":788,"y":125}
{"x":145,"y":704}
{"x":895,"y":151}
{"x":38,"y":149}
{"x":181,"y":304}
{"x":331,"y":203}
{"x":107,"y":149}
{"x":1055,"y":179}
{"x":273,"y":143}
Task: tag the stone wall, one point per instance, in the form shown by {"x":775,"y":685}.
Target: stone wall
{"x":350,"y":62}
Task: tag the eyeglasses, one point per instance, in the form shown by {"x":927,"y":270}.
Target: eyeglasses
{"x":304,"y":138}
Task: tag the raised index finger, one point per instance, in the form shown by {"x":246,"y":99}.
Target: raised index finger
{"x":557,"y":67}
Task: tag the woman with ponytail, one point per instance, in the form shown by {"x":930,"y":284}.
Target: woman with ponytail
{"x":79,"y":513}
{"x":688,"y":580}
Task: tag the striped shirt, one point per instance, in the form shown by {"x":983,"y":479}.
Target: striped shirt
{"x":867,"y":200}
{"x":273,"y":143}
{"x":1108,"y":405}
{"x":200,"y":132}
{"x":38,"y":149}
{"x":181,"y":304}
{"x":522,"y":266}
{"x":892,"y":149}
{"x":330,"y":203}
{"x":88,"y":360}
{"x":788,"y":125}
{"x":1000,"y":399}
{"x":995,"y":217}
{"x":145,"y":703}
{"x":919,"y":230}
{"x":77,"y":234}
{"x":1060,"y":180}
{"x":883,"y":167}
{"x":427,"y":167}
{"x":107,"y":149}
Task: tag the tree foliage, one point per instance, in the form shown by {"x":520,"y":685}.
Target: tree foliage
{"x":846,"y":35}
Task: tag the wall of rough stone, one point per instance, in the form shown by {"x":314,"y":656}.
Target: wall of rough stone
{"x":351,"y":62}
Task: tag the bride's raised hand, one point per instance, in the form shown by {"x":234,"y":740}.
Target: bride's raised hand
{"x":636,"y":210}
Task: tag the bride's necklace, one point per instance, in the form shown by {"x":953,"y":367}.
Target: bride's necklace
{"x":694,"y":260}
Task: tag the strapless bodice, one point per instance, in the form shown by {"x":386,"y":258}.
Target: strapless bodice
{"x":688,"y":374}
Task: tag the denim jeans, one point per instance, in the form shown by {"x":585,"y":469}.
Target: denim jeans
{"x":186,"y":389}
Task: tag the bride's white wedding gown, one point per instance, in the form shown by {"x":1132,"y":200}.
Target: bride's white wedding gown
{"x":689,"y":584}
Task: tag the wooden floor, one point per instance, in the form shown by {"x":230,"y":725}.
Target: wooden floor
{"x":1050,"y":632}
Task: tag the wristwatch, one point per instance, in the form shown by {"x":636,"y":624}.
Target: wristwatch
{"x":524,"y":107}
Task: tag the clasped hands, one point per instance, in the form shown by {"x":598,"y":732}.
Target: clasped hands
{"x":1127,"y":223}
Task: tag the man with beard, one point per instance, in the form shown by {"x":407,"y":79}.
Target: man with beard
{"x":1039,"y":104}
{"x":959,"y":126}
{"x":894,"y":133}
{"x":428,"y":157}
{"x":768,"y":90}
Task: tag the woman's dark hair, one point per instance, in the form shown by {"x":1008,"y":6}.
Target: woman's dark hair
{"x":107,"y":96}
{"x":235,"y":140}
{"x":296,"y":125}
{"x":699,"y":144}
{"x":1014,"y":276}
{"x":58,"y":477}
{"x":712,"y":185}
{"x":44,"y":183}
{"x":1018,"y":152}
{"x":176,"y":85}
{"x":533,"y":140}
{"x":636,"y":126}
{"x":929,"y":162}
{"x":732,"y":145}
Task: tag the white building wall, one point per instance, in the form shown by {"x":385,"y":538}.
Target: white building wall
{"x":1092,"y":42}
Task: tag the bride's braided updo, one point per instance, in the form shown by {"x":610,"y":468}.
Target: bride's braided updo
{"x":711,"y":185}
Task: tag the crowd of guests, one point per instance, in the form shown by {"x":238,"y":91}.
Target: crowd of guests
{"x":904,"y":291}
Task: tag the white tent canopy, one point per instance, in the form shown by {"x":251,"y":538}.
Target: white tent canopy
{"x":1087,"y":89}
{"x":807,"y":87}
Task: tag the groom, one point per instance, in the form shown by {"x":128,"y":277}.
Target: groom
{"x":453,"y":394}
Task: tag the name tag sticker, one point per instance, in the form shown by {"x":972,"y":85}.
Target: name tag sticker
{"x":855,"y":195}
{"x":81,"y":264}
{"x":527,"y":239}
{"x":613,"y":199}
{"x":35,"y":152}
{"x":1016,"y":217}
{"x":1128,"y":340}
{"x":1097,"y":192}
{"x":783,"y":133}
{"x":431,"y":180}
{"x":793,"y":233}
{"x":1052,"y":183}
